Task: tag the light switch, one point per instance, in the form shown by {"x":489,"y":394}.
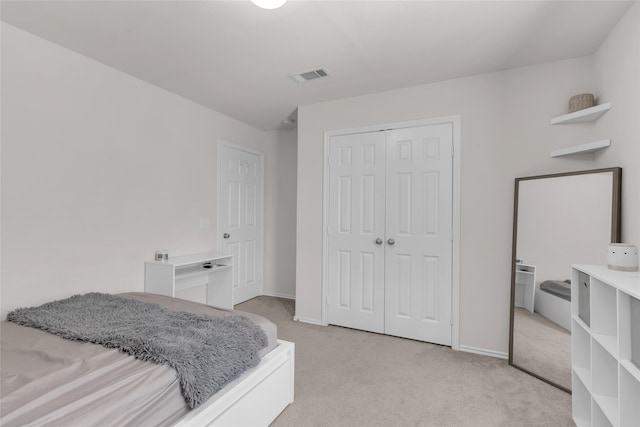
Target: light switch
{"x":204,"y":222}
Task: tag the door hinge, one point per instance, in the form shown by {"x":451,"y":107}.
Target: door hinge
{"x":451,"y":234}
{"x":452,"y":149}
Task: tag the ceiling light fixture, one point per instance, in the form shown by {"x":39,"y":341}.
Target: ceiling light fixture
{"x":269,"y":4}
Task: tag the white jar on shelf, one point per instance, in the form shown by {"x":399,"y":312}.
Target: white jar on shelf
{"x":622,"y":257}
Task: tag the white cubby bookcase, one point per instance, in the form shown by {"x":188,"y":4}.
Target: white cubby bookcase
{"x":604,"y":344}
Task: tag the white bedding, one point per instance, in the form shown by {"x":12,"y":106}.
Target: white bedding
{"x":49,"y":380}
{"x":554,"y":308}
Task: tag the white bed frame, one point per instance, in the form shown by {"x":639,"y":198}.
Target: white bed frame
{"x":255,"y":399}
{"x":554,"y":308}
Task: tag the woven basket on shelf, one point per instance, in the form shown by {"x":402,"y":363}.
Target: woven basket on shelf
{"x":580,"y":102}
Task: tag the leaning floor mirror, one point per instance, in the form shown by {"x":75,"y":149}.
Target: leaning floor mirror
{"x":559,"y":220}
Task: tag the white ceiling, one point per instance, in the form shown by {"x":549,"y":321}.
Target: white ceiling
{"x":235,"y":58}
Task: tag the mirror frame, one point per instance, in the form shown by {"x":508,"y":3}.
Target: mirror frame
{"x":615,"y":238}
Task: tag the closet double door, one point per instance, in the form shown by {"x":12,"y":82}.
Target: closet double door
{"x":389,"y":232}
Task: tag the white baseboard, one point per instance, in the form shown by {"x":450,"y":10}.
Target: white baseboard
{"x":278,"y":295}
{"x":307,"y":320}
{"x":484,"y":352}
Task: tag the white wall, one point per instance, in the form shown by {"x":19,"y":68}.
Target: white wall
{"x":280,"y":209}
{"x":100,"y":169}
{"x":617,"y":65}
{"x":505,"y":134}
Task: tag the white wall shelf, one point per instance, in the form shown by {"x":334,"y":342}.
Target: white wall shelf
{"x":586,"y":115}
{"x":606,"y":381}
{"x":581,"y":149}
{"x":185,"y":272}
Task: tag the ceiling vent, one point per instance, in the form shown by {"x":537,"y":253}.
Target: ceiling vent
{"x":306,"y":76}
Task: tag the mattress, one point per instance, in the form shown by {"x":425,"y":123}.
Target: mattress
{"x":557,"y":288}
{"x":48,"y":380}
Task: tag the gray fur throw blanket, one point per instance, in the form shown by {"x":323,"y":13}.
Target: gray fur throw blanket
{"x":206,"y":352}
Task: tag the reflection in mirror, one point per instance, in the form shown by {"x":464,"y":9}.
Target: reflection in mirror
{"x":559,"y":220}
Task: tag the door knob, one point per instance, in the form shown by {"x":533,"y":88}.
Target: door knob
{"x":379,"y":241}
{"x":391,"y":242}
{"x":226,"y":235}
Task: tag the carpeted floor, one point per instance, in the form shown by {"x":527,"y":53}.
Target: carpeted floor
{"x":352,"y":378}
{"x":542,"y":347}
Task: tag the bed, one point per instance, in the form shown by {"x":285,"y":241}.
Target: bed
{"x":553,"y":301}
{"x":49,"y":380}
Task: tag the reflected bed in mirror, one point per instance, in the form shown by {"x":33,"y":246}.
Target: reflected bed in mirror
{"x":559,"y":220}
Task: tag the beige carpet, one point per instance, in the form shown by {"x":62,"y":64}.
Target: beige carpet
{"x":542,"y":347}
{"x":352,"y":378}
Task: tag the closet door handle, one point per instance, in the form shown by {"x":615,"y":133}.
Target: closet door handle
{"x":226,"y":235}
{"x":379,"y":241}
{"x":391,"y":242}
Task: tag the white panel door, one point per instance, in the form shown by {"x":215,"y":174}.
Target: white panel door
{"x":389,"y":236}
{"x":356,"y":262}
{"x":418,"y":279}
{"x":241,"y":211}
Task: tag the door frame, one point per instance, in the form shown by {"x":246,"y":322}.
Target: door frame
{"x":219,"y":239}
{"x":454,"y":120}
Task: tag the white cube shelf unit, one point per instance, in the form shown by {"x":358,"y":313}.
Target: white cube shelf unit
{"x":189,"y":271}
{"x":605,"y":366}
